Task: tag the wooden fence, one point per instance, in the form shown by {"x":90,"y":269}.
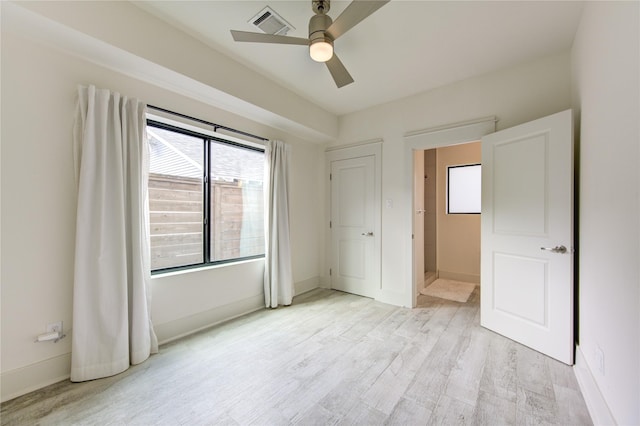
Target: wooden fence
{"x":176,"y":205}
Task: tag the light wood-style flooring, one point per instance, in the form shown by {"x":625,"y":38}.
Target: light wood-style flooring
{"x":330,"y":358}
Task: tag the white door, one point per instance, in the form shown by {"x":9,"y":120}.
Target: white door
{"x":354,"y":265}
{"x":527,"y":235}
{"x":418,"y":218}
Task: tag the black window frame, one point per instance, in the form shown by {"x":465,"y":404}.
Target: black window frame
{"x":206,"y":210}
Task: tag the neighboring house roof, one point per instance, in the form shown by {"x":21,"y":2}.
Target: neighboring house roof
{"x":236,"y":163}
{"x":173,"y":154}
{"x":176,"y":154}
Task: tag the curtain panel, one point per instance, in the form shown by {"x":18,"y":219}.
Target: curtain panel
{"x":278,"y":279}
{"x":111,"y":307}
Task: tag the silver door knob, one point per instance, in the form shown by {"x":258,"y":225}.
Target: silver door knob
{"x":368,"y":234}
{"x":556,"y":249}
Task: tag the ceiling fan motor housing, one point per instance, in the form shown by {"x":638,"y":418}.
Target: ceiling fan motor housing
{"x":317,"y":29}
{"x":318,"y":25}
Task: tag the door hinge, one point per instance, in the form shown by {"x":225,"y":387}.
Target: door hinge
{"x":330,"y":176}
{"x":206,"y":222}
{"x":330,"y":224}
{"x":330,"y":271}
{"x":206,"y":179}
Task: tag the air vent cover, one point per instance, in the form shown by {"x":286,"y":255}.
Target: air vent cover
{"x":270,"y":22}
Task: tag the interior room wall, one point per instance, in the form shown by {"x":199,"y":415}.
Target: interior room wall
{"x":606,"y":75}
{"x":109,"y":26}
{"x":458,"y":234}
{"x":515,"y":95}
{"x":38,"y":214}
{"x":430,"y":222}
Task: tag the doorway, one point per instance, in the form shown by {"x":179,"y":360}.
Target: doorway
{"x":449,"y":236}
{"x":438,"y":137}
{"x":527,"y":240}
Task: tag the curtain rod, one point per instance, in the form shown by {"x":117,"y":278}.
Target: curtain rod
{"x":214,"y":125}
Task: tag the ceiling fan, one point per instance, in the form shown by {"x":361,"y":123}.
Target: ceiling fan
{"x":323,"y":31}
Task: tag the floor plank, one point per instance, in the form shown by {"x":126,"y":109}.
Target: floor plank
{"x":330,"y":358}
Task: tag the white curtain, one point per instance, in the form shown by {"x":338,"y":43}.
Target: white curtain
{"x":111,"y":299}
{"x":278,"y":280}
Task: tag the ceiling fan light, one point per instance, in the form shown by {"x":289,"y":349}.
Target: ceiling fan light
{"x":321,"y":51}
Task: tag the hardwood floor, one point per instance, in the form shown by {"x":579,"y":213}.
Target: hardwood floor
{"x":329,"y":359}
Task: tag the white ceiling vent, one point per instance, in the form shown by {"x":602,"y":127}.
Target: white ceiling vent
{"x":270,"y":22}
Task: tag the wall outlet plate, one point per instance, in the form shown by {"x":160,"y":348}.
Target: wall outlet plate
{"x":55,"y":327}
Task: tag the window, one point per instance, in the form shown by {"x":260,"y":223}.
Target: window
{"x":464,"y":189}
{"x":205,"y":199}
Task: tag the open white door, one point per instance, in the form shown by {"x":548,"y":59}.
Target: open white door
{"x":527,"y":235}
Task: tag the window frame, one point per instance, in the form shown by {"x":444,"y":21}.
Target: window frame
{"x":207,"y":139}
{"x":449,"y":188}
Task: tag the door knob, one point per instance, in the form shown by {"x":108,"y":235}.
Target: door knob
{"x":556,"y":249}
{"x":368,"y":234}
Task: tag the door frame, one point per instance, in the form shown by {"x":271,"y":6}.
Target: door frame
{"x":346,"y":152}
{"x":420,"y":140}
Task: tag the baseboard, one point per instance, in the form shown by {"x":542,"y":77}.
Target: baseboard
{"x":596,"y":404}
{"x":32,"y":377}
{"x":20,"y":381}
{"x":307,"y":285}
{"x":183,"y":327}
{"x":324,"y":282}
{"x":23,"y":380}
{"x":459,"y":276}
{"x":429,"y":278}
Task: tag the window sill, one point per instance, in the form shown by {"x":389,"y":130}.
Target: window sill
{"x":204,"y":268}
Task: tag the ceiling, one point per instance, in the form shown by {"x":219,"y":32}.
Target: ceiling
{"x":404,"y":48}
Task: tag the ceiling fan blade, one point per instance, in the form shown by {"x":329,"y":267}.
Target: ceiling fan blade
{"x":267,"y":38}
{"x":354,"y":13}
{"x":339,"y":73}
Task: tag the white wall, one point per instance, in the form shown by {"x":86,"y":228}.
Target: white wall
{"x":122,"y":25}
{"x":38,"y":214}
{"x":606,"y":76}
{"x":515,"y":95}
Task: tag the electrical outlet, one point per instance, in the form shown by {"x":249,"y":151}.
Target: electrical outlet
{"x":54,"y":327}
{"x":599,"y":359}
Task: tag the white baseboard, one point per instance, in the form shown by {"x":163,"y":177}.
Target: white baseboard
{"x":596,"y":404}
{"x":32,"y":377}
{"x":20,"y":381}
{"x":459,"y":276}
{"x":183,"y":327}
{"x":324,"y":282}
{"x":15,"y":383}
{"x":307,"y":285}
